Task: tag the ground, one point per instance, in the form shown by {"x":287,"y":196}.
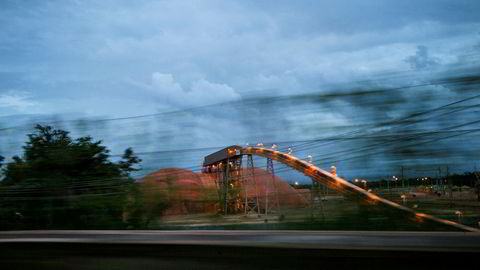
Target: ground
{"x":336,"y":212}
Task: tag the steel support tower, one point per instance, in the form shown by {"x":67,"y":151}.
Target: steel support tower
{"x":229,"y":179}
{"x":251,"y":203}
{"x":317,"y":195}
{"x":271,"y":171}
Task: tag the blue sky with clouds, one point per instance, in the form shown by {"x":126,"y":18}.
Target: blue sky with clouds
{"x":104,"y":59}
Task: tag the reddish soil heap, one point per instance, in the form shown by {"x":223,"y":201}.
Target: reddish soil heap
{"x":273,"y":186}
{"x":190,"y":192}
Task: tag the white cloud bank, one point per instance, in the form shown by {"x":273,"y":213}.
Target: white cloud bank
{"x":17,"y":102}
{"x":201,"y":92}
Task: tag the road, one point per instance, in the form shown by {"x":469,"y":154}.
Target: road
{"x":236,"y":249}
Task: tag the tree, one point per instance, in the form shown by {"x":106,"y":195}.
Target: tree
{"x":62,"y":182}
{"x":477,"y":185}
{"x":1,"y":165}
{"x":147,"y":202}
{"x":130,"y":159}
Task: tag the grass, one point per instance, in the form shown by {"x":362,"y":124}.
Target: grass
{"x":335,"y":214}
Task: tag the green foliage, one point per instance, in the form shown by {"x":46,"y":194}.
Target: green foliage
{"x":129,"y":159}
{"x":63,"y":183}
{"x":147,"y":203}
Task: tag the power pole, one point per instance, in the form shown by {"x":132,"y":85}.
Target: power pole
{"x":442,"y":180}
{"x":450,"y":186}
{"x":388,"y":185}
{"x":439,"y":178}
{"x":475,"y":174}
{"x":403,"y":181}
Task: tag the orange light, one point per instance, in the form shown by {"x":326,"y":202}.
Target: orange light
{"x":448,"y":221}
{"x":309,"y":170}
{"x":420,"y":215}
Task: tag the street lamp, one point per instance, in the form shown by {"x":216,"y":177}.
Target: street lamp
{"x":395,"y":180}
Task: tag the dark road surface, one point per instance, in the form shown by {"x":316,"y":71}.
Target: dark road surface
{"x":237,"y":250}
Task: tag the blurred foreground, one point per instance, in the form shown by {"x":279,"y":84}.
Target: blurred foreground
{"x":236,"y":250}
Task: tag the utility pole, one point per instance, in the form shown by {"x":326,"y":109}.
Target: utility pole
{"x":439,"y":177}
{"x":444,"y":181}
{"x":314,"y":197}
{"x":474,"y":173}
{"x":403,"y":181}
{"x":388,"y":185}
{"x":450,"y":186}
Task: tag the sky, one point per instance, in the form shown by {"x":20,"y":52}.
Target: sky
{"x":73,"y":60}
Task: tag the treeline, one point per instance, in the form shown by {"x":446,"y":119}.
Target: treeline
{"x":66,"y":183}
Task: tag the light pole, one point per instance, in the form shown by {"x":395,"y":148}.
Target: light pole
{"x":395,"y":180}
{"x":388,"y":186}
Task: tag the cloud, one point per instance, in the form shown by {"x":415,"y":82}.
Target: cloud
{"x":421,"y":59}
{"x":212,"y":92}
{"x":117,"y":59}
{"x":15,"y":102}
{"x":201,"y":92}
